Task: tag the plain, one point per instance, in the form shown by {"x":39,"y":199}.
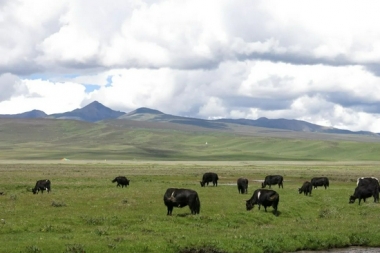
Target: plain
{"x":47,"y":139}
{"x":85,"y":212}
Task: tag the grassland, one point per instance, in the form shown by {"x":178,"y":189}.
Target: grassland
{"x":44,"y":139}
{"x":85,"y":212}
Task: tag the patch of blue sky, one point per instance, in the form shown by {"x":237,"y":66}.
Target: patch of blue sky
{"x":91,"y":87}
{"x":37,"y":76}
{"x":109,"y":81}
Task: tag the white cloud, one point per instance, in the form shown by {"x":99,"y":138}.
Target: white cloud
{"x":45,"y":96}
{"x":10,"y":85}
{"x":214,"y":106}
{"x":310,"y":60}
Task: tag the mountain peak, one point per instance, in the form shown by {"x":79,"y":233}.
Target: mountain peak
{"x":92,"y":112}
{"x":95,"y":104}
{"x":144,"y":110}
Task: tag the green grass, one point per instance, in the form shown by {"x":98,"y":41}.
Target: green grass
{"x":85,"y":212}
{"x":56,"y":139}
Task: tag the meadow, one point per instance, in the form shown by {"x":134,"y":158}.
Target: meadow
{"x":85,"y":212}
{"x":43,"y":139}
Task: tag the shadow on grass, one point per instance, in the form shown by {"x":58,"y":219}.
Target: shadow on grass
{"x":184,"y":214}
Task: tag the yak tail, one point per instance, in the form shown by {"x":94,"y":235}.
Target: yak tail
{"x":198,"y":204}
{"x":327,"y":183}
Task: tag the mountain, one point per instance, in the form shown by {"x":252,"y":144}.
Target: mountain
{"x":92,"y":112}
{"x":146,"y":114}
{"x":293,"y":125}
{"x":34,"y":114}
{"x":143,"y":114}
{"x":95,"y":112}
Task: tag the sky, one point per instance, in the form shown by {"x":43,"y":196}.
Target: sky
{"x":317,"y":61}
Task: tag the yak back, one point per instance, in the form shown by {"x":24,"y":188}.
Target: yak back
{"x":363,"y":181}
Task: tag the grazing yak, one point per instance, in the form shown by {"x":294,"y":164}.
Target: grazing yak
{"x":320,"y":181}
{"x":209,"y":177}
{"x":42,"y":185}
{"x":242,"y":185}
{"x":364,"y":192}
{"x":306,"y":188}
{"x":272,"y":180}
{"x":264,"y":197}
{"x":366,"y":187}
{"x":175,"y":197}
{"x":121,"y":181}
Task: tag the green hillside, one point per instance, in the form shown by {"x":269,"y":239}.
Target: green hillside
{"x":57,"y":139}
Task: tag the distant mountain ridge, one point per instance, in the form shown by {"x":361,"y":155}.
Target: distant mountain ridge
{"x":288,"y":124}
{"x":25,"y":115}
{"x":96,"y":111}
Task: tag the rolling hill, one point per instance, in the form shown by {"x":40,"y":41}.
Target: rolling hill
{"x":34,"y":114}
{"x":88,"y":125}
{"x":124,"y":139}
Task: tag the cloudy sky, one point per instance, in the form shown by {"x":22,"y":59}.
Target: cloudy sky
{"x":317,"y":61}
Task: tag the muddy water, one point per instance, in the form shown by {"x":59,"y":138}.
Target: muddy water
{"x":345,"y":250}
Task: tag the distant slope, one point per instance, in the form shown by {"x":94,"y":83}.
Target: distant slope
{"x":92,"y":112}
{"x":146,"y":114}
{"x":34,"y":114}
{"x":293,"y":125}
{"x":46,"y":139}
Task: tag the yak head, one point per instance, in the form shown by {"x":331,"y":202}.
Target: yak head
{"x":249,"y":205}
{"x":202,"y":183}
{"x":352,"y":199}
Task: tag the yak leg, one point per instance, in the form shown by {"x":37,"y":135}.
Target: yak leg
{"x":170,"y":210}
